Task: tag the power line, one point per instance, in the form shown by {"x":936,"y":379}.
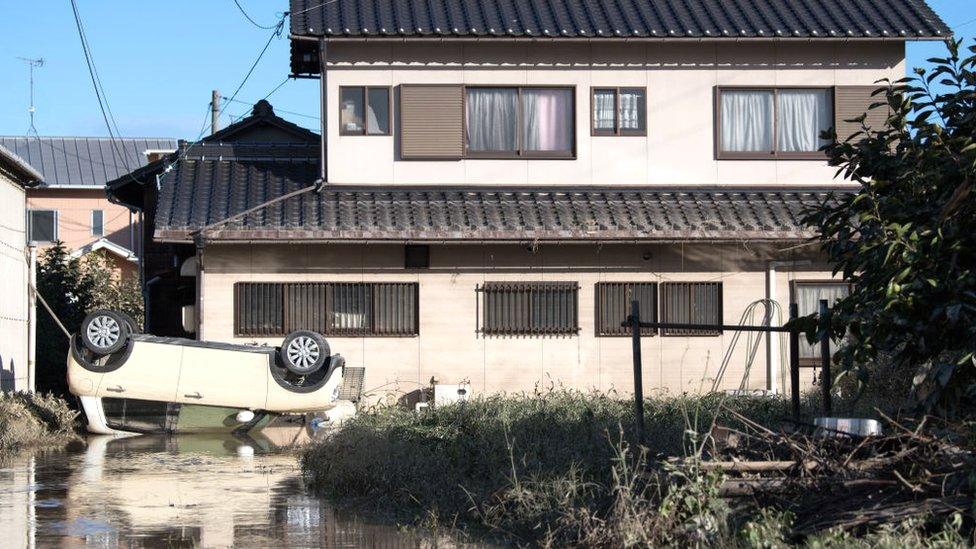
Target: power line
{"x":964,"y":23}
{"x":276,"y":109}
{"x":248,"y":17}
{"x":322,"y":5}
{"x":99,"y":90}
{"x":275,"y":33}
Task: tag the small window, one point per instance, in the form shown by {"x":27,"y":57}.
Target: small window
{"x":807,"y":296}
{"x":416,"y":257}
{"x":619,"y":111}
{"x":530,"y":308}
{"x":775,"y":122}
{"x":271,"y":309}
{"x":691,"y":303}
{"x":140,"y":416}
{"x":364,"y":110}
{"x":42,"y":225}
{"x":519,"y":122}
{"x":97,"y":219}
{"x":613,"y":306}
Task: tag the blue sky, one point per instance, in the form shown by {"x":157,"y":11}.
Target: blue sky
{"x":158,"y":62}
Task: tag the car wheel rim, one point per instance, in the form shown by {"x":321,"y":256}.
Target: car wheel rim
{"x":303,"y":352}
{"x":104,"y":331}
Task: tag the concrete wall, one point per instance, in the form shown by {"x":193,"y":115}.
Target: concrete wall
{"x":450,"y":349}
{"x":680,"y":81}
{"x":13,"y":292}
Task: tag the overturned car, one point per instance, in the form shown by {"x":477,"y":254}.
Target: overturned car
{"x":138,"y":383}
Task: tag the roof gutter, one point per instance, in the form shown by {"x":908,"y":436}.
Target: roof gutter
{"x":642,"y":39}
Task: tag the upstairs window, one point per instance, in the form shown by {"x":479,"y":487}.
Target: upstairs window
{"x":691,"y":303}
{"x":530,"y":308}
{"x":619,"y":111}
{"x":513,"y":122}
{"x":758,"y":123}
{"x":97,"y":223}
{"x":351,"y":309}
{"x":364,"y":110}
{"x":42,"y":226}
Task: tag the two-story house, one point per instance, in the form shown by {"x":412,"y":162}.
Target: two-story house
{"x":497,"y":180}
{"x":71,"y":206}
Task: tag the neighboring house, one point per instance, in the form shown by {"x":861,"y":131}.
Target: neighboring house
{"x":15,"y":176}
{"x":71,"y":204}
{"x":502,"y":178}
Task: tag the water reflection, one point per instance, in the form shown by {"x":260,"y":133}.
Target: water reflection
{"x":187,"y":491}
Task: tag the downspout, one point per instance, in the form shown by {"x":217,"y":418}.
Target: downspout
{"x":323,"y":109}
{"x":773,"y":365}
{"x":198,"y":309}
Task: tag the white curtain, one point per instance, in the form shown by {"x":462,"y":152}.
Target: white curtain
{"x":547,"y":119}
{"x":378,"y":111}
{"x":747,"y":121}
{"x":492,"y":117}
{"x":604,"y":105}
{"x":800,"y":117}
{"x":632,"y":106}
{"x":808,"y":298}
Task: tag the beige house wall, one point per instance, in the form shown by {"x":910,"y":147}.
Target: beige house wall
{"x":680,"y":79}
{"x":74,"y":207}
{"x":13,"y":291}
{"x":450,"y":349}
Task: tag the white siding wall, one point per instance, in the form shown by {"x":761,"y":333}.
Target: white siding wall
{"x":13,"y":290}
{"x":450,"y":349}
{"x":680,"y":79}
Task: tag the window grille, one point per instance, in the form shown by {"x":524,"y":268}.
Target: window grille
{"x":530,"y":308}
{"x":613,"y":306}
{"x":691,"y":303}
{"x":331,"y":308}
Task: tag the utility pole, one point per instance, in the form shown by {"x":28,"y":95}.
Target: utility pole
{"x":32,"y":64}
{"x":214,"y":111}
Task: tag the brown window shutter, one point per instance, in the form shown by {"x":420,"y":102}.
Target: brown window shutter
{"x":431,"y":122}
{"x":853,"y":101}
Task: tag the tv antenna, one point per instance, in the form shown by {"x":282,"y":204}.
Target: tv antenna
{"x":32,"y":63}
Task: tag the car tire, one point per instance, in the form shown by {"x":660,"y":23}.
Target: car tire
{"x":134,"y":327}
{"x":303,"y":352}
{"x":104,"y":332}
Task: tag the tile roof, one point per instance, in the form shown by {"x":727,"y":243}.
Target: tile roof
{"x":905,"y":19}
{"x":207,"y":188}
{"x":83,"y":161}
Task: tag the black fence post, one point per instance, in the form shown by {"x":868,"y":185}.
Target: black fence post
{"x":826,"y":379}
{"x":635,"y":328}
{"x":795,"y":363}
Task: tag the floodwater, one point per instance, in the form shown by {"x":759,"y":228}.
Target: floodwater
{"x":181,"y":491}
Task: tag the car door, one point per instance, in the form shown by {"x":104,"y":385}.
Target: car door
{"x":151,"y":372}
{"x":222,"y":376}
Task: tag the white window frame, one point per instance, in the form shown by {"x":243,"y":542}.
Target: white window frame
{"x":102,"y":232}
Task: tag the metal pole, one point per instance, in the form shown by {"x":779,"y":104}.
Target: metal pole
{"x":323,"y":108}
{"x":795,"y":364}
{"x":214,"y":111}
{"x":638,"y":376}
{"x":31,"y":318}
{"x":825,"y":356}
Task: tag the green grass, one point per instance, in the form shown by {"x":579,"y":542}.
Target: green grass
{"x":32,"y":420}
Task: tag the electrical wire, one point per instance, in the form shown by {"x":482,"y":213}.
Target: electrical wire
{"x":322,"y":5}
{"x":100,"y":94}
{"x":276,"y":109}
{"x":248,"y":17}
{"x":275,"y":33}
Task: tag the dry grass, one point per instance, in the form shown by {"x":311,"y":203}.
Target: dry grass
{"x":32,"y":420}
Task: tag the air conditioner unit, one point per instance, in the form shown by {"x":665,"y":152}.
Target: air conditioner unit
{"x":445,"y":394}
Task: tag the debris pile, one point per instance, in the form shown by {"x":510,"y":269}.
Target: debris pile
{"x":831,"y":480}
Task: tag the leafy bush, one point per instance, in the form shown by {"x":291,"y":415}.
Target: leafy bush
{"x":907,"y":239}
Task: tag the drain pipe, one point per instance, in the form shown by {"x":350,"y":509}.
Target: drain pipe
{"x":323,"y":110}
{"x":773,"y":366}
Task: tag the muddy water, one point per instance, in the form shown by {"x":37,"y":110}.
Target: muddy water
{"x":188,"y":491}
